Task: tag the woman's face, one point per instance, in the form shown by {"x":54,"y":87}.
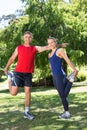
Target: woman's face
{"x":51,"y":43}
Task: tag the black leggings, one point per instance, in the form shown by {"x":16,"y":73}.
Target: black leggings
{"x":63,"y":87}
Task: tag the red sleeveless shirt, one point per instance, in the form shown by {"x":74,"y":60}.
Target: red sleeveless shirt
{"x":26,"y":57}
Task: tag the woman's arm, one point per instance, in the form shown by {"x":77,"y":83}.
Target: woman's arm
{"x":61,"y":53}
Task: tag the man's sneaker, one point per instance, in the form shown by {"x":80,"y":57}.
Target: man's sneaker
{"x":71,"y":77}
{"x":10,"y":76}
{"x":28,"y":116}
{"x":65,"y":115}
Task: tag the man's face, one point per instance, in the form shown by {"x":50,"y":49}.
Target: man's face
{"x":27,"y":38}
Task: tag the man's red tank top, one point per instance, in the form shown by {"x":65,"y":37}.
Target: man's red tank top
{"x":26,"y":57}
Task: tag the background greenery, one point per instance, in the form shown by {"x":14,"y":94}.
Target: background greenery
{"x":65,"y":21}
{"x":68,"y":23}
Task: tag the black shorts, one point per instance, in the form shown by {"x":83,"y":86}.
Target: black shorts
{"x":22,"y":79}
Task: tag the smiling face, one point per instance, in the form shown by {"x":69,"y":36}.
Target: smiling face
{"x":27,"y":38}
{"x":52,"y":42}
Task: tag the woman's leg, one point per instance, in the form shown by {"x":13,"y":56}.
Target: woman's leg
{"x":58,"y":82}
{"x":68,"y":86}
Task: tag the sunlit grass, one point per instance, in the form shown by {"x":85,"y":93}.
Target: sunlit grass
{"x":46,"y":106}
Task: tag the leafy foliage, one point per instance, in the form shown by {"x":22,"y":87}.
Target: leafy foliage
{"x":65,"y":21}
{"x":10,"y":37}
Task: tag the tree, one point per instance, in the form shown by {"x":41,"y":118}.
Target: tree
{"x":58,"y":19}
{"x":65,"y":21}
{"x":10,"y":37}
{"x":5,"y":19}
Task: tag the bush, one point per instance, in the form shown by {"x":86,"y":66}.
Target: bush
{"x":81,"y":76}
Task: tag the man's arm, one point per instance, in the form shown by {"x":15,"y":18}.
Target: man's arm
{"x":42,"y":48}
{"x":62,"y":45}
{"x":11,"y":60}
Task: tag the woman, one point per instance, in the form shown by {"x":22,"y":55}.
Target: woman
{"x":59,"y":77}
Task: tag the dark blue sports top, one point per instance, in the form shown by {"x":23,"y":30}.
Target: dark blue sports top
{"x":56,"y":64}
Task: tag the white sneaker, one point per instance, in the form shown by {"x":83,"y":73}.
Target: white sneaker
{"x":71,"y":77}
{"x":65,"y":115}
{"x":28,"y":116}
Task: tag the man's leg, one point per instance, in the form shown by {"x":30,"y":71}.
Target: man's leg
{"x":12,"y":89}
{"x":27,"y":103}
{"x":27,"y":96}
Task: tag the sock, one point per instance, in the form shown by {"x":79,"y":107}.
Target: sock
{"x":27,"y":109}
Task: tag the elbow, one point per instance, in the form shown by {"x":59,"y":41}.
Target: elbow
{"x":39,"y":51}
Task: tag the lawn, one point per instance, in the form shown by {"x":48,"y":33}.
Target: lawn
{"x":46,"y":106}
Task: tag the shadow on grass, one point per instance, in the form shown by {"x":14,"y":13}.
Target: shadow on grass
{"x":3,"y":79}
{"x":34,"y":89}
{"x":4,"y":91}
{"x":46,"y":109}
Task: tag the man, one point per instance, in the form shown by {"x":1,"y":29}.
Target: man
{"x":23,"y":72}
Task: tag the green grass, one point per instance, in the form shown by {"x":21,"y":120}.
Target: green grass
{"x":46,"y":106}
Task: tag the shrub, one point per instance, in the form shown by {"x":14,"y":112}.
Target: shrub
{"x":81,"y":76}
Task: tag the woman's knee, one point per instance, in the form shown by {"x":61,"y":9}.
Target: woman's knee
{"x":63,"y":96}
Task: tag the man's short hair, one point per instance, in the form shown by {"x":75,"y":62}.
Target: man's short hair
{"x":28,"y":32}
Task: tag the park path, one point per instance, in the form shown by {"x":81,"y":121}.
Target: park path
{"x":80,"y":87}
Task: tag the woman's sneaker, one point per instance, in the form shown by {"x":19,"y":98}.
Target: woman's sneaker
{"x":65,"y":115}
{"x":10,"y":76}
{"x":28,"y":116}
{"x":71,"y":77}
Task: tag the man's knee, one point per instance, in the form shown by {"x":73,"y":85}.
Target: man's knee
{"x":13,"y":93}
